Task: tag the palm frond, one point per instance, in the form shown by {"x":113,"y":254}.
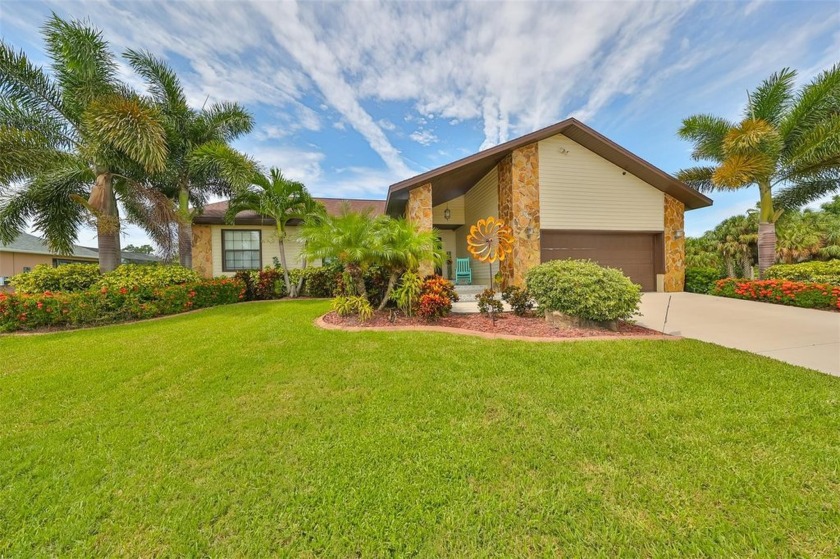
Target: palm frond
{"x":770,"y":100}
{"x":698,"y":178}
{"x":130,"y":126}
{"x":217,"y":160}
{"x":83,"y":65}
{"x":153,"y":211}
{"x":817,"y":150}
{"x":806,"y":191}
{"x":28,"y":85}
{"x":707,"y":133}
{"x":751,"y":135}
{"x":226,"y":121}
{"x":14,"y":114}
{"x":163,"y":82}
{"x":813,"y":103}
{"x":742,"y":169}
{"x":25,"y":154}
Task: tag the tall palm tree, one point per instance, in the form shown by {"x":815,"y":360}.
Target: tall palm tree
{"x":73,"y":142}
{"x":403,"y":248}
{"x":735,"y":238}
{"x":201,"y":161}
{"x":351,"y":238}
{"x":281,"y":199}
{"x":786,"y":139}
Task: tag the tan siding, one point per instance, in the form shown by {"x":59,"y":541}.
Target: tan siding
{"x":582,"y":190}
{"x":270,"y":247}
{"x":456,"y":207}
{"x":480,"y":202}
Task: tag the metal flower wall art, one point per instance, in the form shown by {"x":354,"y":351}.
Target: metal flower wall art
{"x":490,"y":240}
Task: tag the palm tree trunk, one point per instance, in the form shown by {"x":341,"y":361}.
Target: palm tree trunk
{"x":290,"y":289}
{"x":299,"y":288}
{"x":766,"y":230}
{"x":730,"y":266}
{"x":746,"y":264}
{"x":184,"y":228}
{"x":355,"y":272}
{"x":103,"y":200}
{"x":392,"y":281}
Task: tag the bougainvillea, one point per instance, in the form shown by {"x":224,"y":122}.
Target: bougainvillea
{"x":783,"y":292}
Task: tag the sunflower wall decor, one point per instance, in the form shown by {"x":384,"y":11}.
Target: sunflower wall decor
{"x":490,"y":240}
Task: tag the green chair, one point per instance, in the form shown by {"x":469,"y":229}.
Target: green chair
{"x":463,"y":270}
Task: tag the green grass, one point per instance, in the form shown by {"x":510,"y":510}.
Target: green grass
{"x":246,"y":431}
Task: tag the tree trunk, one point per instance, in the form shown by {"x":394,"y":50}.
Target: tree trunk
{"x":290,"y":289}
{"x":184,"y":228}
{"x":103,"y":200}
{"x":766,"y":229}
{"x":766,"y":247}
{"x":299,"y":288}
{"x":730,"y":266}
{"x":358,"y":278}
{"x":746,"y":264}
{"x":392,"y":281}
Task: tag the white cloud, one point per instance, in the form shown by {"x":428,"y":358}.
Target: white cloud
{"x":423,"y":137}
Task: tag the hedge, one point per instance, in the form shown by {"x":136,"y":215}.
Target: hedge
{"x":807,"y":295}
{"x":69,"y":277}
{"x":584,"y":289}
{"x":814,"y":271}
{"x":20,"y":311}
{"x":701,"y":280}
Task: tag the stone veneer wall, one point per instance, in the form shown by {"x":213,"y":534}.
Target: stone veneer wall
{"x":519,"y":207}
{"x":202,"y":250}
{"x":419,"y":212}
{"x":674,"y":247}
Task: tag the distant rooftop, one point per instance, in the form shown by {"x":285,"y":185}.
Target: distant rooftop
{"x":215,"y":213}
{"x":30,"y":244}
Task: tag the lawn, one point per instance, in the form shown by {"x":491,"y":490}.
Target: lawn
{"x":244,"y":431}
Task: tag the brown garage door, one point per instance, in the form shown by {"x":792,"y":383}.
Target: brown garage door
{"x":633,"y":253}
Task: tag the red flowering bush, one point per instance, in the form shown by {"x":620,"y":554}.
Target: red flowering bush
{"x":783,"y":292}
{"x":436,"y":298}
{"x":104,"y":305}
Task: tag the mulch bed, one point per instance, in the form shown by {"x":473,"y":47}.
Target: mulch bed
{"x":506,"y":324}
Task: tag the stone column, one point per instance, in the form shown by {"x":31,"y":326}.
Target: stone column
{"x":419,"y":213}
{"x":519,"y":207}
{"x":202,"y":251}
{"x":674,"y":245}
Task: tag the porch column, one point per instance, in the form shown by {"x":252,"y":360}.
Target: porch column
{"x":674,"y":244}
{"x":519,"y":207}
{"x":202,"y":250}
{"x":419,"y":213}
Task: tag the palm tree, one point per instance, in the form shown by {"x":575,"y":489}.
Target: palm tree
{"x":201,"y":162}
{"x":804,"y":235}
{"x":73,"y":142}
{"x":351,"y":238}
{"x":735,"y":237}
{"x":281,"y":199}
{"x":785,"y":139}
{"x":403,"y":248}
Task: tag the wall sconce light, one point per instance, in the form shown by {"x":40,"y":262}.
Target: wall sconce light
{"x":447,"y":213}
{"x":563,"y":151}
{"x":529,"y":231}
{"x":679,"y":234}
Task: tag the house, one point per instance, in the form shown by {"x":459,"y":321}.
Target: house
{"x":565,"y":190}
{"x":28,"y":251}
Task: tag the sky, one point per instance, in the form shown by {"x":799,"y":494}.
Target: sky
{"x":351,"y":97}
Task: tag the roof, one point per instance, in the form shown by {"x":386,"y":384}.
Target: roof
{"x":215,"y":213}
{"x":30,"y":244}
{"x":454,"y":179}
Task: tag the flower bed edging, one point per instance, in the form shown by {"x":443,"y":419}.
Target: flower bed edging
{"x":321,"y":323}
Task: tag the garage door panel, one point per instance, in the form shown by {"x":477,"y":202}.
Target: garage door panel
{"x":633,"y":253}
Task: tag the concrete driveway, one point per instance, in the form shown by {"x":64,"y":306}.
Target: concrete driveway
{"x":805,"y":337}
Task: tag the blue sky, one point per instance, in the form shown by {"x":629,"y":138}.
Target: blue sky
{"x":351,"y":97}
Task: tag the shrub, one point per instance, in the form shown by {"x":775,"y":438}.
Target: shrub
{"x":436,"y":297}
{"x":519,"y":300}
{"x":103,"y":306}
{"x":319,"y":281}
{"x":815,"y":271}
{"x":783,"y":292}
{"x":701,"y":280}
{"x":487,"y":302}
{"x":147,"y":277}
{"x":269,"y":284}
{"x":407,"y":294}
{"x":349,"y":305}
{"x":66,"y":278}
{"x":584,"y":289}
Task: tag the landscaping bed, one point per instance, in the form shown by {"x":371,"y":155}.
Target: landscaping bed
{"x":506,"y":324}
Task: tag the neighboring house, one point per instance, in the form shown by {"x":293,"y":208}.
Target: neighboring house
{"x":565,"y":190}
{"x":250,"y":242}
{"x":28,"y":251}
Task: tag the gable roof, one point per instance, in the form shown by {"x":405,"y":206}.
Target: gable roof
{"x":30,"y":244}
{"x":214,"y":214}
{"x":454,"y":179}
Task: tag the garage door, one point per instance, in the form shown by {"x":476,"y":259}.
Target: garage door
{"x":632,"y":253}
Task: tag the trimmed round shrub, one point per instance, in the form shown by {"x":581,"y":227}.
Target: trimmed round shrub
{"x":147,"y":277}
{"x":65,"y":278}
{"x":584,"y":289}
{"x":701,"y":280}
{"x":816,"y":271}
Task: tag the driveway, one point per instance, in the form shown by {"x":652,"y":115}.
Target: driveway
{"x":805,"y":337}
